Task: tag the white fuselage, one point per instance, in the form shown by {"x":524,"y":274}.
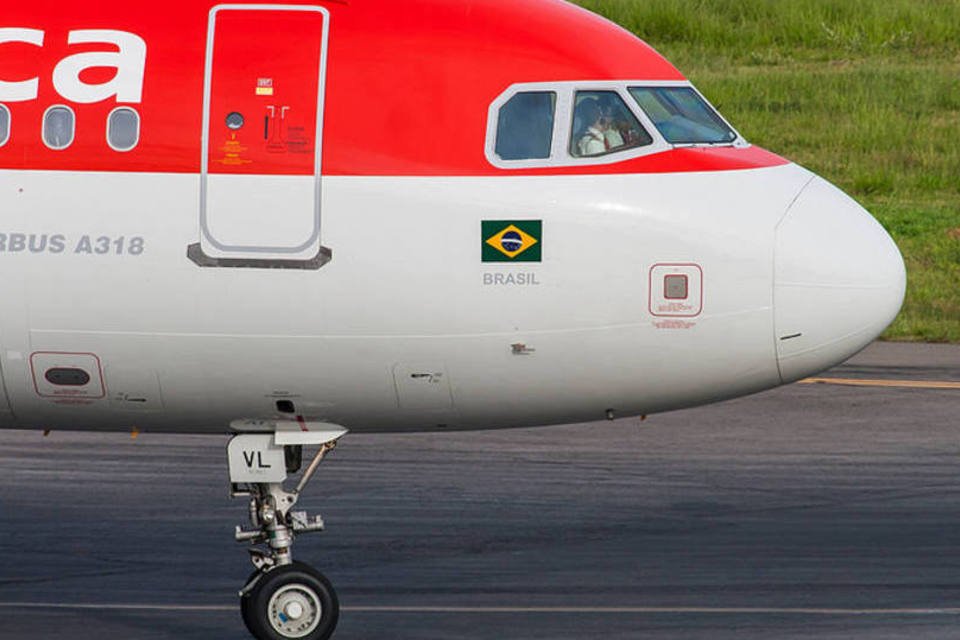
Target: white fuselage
{"x":405,"y":328}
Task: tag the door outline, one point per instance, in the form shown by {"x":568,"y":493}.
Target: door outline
{"x":195,"y":251}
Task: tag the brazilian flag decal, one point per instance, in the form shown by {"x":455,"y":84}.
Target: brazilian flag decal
{"x":511,"y":240}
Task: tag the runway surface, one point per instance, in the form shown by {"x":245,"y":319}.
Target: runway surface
{"x":814,"y":510}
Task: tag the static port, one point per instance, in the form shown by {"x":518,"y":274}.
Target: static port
{"x":286,"y":406}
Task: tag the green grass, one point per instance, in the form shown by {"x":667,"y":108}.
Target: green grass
{"x":864,"y":92}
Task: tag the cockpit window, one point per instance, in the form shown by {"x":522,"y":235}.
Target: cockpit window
{"x":525,"y":126}
{"x":603,"y":124}
{"x":682,"y":116}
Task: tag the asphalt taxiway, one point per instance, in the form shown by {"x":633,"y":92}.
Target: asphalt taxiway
{"x":827,"y":510}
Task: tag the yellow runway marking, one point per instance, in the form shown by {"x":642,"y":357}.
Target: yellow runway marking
{"x":905,"y":384}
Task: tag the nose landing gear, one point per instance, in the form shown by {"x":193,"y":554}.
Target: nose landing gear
{"x":282,"y":599}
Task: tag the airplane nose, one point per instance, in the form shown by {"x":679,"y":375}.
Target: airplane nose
{"x":839,"y":280}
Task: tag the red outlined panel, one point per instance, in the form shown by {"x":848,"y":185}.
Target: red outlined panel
{"x":663,"y":306}
{"x":43,"y":361}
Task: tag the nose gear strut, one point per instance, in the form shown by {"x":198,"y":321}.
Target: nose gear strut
{"x":282,"y":598}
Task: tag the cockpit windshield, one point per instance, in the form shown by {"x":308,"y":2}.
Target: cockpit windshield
{"x":682,"y":116}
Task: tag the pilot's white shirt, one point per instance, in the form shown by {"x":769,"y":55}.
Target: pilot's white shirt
{"x":592,"y":142}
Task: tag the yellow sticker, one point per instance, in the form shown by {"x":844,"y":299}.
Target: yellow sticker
{"x":264,"y":86}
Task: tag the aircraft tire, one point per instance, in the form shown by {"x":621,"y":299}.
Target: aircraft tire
{"x":293,"y":601}
{"x":245,"y":606}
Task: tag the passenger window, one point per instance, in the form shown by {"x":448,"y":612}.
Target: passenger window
{"x":682,"y":116}
{"x":4,"y":125}
{"x":58,"y":127}
{"x":603,"y":124}
{"x":123,"y":129}
{"x":525,"y":126}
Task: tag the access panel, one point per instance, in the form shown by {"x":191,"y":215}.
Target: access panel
{"x":263,"y":123}
{"x":676,"y":290}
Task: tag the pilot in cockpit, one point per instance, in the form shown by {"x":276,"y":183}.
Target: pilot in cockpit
{"x":614,"y":124}
{"x":591,"y":140}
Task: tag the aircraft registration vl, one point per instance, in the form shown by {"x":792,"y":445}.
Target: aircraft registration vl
{"x":283,"y":221}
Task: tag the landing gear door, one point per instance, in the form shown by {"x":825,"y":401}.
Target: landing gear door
{"x":262,"y":137}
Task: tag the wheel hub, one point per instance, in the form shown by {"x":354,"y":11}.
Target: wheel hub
{"x":294,"y":611}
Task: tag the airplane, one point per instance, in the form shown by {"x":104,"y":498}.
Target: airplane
{"x":286,"y":221}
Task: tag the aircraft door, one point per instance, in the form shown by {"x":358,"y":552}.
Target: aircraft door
{"x":262,"y":137}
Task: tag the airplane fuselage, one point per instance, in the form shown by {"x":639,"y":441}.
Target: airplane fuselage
{"x":307,"y":223}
